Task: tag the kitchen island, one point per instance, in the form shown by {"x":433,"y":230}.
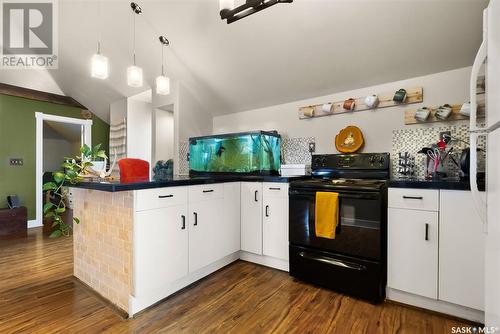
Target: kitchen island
{"x":138,"y":243}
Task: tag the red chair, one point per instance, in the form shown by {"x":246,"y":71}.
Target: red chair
{"x":133,"y":170}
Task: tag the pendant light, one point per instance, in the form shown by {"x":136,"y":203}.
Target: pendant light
{"x":163,"y":82}
{"x":99,"y":63}
{"x":134,"y":72}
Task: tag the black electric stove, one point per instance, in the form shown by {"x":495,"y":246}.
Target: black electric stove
{"x":355,"y":261}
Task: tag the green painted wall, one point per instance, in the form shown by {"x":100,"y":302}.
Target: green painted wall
{"x":17,"y":140}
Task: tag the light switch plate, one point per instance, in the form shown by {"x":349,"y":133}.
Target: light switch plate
{"x":312,"y":147}
{"x":16,"y":161}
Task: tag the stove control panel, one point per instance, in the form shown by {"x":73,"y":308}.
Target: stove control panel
{"x":378,"y":161}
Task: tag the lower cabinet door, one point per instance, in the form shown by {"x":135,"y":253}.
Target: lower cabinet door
{"x":413,"y":251}
{"x":205,"y":225}
{"x":160,"y":248}
{"x":461,"y":250}
{"x":251,"y":217}
{"x":275,"y":227}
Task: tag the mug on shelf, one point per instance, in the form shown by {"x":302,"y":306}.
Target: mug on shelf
{"x":308,"y":111}
{"x":400,"y":96}
{"x":371,"y":101}
{"x":349,"y":104}
{"x":327,"y":108}
{"x":443,"y":112}
{"x":422,"y":114}
{"x":465,"y":110}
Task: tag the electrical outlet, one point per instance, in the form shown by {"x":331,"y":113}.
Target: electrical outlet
{"x":445,"y":136}
{"x":16,"y":161}
{"x":312,"y":147}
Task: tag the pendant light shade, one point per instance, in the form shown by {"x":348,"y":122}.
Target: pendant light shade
{"x":162,"y":81}
{"x":226,"y":4}
{"x":134,"y":76}
{"x":99,"y":66}
{"x":162,"y":85}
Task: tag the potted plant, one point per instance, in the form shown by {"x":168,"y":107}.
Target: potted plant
{"x":73,"y":170}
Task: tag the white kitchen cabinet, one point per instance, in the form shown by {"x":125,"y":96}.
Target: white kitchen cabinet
{"x":230,"y":233}
{"x":461,"y":250}
{"x":251,"y":217}
{"x":413,"y":251}
{"x":205,"y":223}
{"x":160,"y":249}
{"x":275,"y":220}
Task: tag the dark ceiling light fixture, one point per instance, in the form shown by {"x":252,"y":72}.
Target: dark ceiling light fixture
{"x":231,"y":14}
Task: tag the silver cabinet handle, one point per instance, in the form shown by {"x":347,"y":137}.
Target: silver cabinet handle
{"x":267,"y":210}
{"x":274,"y":188}
{"x":195,"y":218}
{"x":426,"y":232}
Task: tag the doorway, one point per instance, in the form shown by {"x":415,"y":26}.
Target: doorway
{"x":63,"y":132}
{"x":163,"y":133}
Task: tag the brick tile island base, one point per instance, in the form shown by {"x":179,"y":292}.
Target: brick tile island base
{"x":103,"y":243}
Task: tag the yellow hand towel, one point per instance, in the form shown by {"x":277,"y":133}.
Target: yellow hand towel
{"x":326,"y":213}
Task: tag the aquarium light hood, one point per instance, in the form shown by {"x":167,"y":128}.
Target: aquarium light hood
{"x":227,"y":12}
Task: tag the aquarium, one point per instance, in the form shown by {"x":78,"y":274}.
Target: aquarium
{"x":255,"y":153}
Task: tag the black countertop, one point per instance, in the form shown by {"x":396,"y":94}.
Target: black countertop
{"x":113,"y":186}
{"x":449,"y":184}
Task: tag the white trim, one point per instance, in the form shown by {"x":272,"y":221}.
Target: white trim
{"x":139,"y":303}
{"x":33,"y":223}
{"x":435,"y":305}
{"x":40,"y":118}
{"x":265,"y":260}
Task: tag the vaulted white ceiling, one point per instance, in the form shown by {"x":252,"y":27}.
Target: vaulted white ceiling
{"x":287,"y":52}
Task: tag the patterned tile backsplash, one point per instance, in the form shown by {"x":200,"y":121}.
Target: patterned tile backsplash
{"x":412,"y":139}
{"x":183,"y":161}
{"x":294,"y":150}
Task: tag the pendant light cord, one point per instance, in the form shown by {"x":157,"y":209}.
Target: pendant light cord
{"x":133,"y":44}
{"x":162,"y":59}
{"x":99,"y":27}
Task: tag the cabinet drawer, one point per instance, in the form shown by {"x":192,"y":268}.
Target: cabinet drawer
{"x":205,"y":192}
{"x":275,"y":189}
{"x":160,"y":198}
{"x":416,"y":199}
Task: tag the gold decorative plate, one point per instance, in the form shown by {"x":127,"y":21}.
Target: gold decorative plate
{"x":349,"y":139}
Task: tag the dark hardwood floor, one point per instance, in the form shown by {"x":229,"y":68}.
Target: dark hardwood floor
{"x":39,"y":295}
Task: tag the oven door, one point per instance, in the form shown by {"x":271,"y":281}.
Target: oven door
{"x":360,"y":229}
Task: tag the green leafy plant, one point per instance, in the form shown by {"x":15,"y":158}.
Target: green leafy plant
{"x":73,"y":171}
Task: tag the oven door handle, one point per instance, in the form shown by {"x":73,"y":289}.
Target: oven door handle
{"x":333,"y":262}
{"x":341,"y":194}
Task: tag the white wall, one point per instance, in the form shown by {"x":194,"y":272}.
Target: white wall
{"x":164,"y":135}
{"x":139,"y":130}
{"x":117,"y":111}
{"x":54,"y":151}
{"x":440,"y":88}
{"x":194,"y":120}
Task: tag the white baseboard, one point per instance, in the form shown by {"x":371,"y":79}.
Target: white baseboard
{"x":33,"y":223}
{"x":264,"y":260}
{"x":435,"y":305}
{"x":139,"y":303}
